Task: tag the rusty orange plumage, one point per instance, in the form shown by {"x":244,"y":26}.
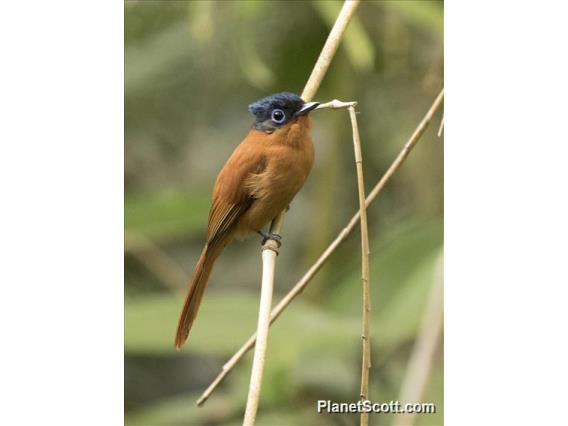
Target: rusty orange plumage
{"x":258,"y":181}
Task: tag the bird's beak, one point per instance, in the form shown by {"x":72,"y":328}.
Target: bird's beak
{"x":308,"y":106}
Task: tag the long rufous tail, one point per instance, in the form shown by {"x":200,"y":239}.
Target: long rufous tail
{"x":198,"y":284}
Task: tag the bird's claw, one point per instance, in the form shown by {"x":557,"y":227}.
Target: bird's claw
{"x":270,"y":236}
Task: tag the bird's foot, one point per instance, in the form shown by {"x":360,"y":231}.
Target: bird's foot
{"x":270,"y":236}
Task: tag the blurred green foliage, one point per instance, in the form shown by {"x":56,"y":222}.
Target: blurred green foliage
{"x":166,"y":215}
{"x":191,"y":69}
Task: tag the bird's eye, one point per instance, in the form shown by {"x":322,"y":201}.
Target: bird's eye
{"x":278,"y":116}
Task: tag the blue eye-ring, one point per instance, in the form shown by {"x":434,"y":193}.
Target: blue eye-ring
{"x":278,"y":116}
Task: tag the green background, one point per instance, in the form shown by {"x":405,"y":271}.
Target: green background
{"x":191,"y":69}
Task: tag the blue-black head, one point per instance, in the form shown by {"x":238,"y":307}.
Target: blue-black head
{"x":279,"y":109}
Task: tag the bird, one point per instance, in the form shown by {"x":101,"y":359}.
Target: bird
{"x":258,"y":181}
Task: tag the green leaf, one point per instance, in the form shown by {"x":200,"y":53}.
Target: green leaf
{"x":401,"y":319}
{"x":181,"y":410}
{"x":226,"y":320}
{"x":401,"y":272}
{"x":166,"y":215}
{"x":428,"y":15}
{"x":146,"y":61}
{"x":335,"y":374}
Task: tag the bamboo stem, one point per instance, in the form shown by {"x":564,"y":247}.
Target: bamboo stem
{"x":329,"y":48}
{"x":365,"y":336}
{"x":262,"y":333}
{"x":343,"y":234}
{"x":270,"y":247}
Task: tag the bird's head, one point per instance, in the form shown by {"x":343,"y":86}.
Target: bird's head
{"x":277,"y":110}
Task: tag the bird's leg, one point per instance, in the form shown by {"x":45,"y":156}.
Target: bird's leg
{"x":270,"y":236}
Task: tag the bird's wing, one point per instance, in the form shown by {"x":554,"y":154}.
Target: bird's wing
{"x":223,"y":216}
{"x":232,"y":197}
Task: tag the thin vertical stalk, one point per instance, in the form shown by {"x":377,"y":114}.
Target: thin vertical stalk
{"x":262,"y":340}
{"x":365,"y":335}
